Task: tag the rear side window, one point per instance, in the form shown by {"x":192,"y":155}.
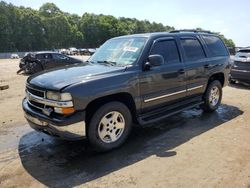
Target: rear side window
{"x":168,"y":49}
{"x":215,"y":46}
{"x":193,"y":49}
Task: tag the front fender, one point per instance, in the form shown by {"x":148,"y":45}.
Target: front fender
{"x":85,"y":92}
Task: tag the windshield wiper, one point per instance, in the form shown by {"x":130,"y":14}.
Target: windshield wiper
{"x":89,"y":61}
{"x":107,"y":62}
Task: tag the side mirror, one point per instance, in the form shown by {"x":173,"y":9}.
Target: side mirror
{"x":153,"y":61}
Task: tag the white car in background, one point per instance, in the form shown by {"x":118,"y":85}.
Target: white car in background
{"x":14,"y":56}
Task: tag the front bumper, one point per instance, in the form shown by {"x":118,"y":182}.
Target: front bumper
{"x":240,"y":75}
{"x":70,"y":127}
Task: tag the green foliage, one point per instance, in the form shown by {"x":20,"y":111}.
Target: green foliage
{"x":26,"y":29}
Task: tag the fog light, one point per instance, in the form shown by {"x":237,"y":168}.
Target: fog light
{"x":64,"y":110}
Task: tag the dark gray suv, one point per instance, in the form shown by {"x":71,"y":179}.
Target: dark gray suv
{"x":135,"y":79}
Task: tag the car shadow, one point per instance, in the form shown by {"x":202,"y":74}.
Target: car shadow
{"x":57,"y":163}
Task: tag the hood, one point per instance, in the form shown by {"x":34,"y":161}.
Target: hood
{"x":57,"y":79}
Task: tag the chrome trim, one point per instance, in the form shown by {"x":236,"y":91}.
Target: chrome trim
{"x":193,"y":88}
{"x":35,"y":120}
{"x":163,"y":96}
{"x":236,"y":70}
{"x":171,"y":94}
{"x":42,"y":91}
{"x":35,"y":105}
{"x":76,"y":130}
{"x":48,"y":102}
{"x":70,"y":132}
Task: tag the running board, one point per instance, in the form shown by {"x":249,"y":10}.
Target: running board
{"x":159,"y":115}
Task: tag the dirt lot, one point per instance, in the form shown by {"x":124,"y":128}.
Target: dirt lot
{"x":191,"y":149}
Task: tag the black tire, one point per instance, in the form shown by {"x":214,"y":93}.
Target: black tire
{"x":208,"y":106}
{"x":93,"y":127}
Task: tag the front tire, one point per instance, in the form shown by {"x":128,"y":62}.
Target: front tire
{"x":109,"y":126}
{"x":212,"y":96}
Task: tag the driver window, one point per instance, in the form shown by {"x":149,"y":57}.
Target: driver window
{"x":168,"y":49}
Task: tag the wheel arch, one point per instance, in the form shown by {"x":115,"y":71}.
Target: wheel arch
{"x":124,"y":97}
{"x":217,"y":76}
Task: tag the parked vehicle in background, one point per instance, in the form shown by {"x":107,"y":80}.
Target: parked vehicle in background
{"x":91,"y":51}
{"x":36,"y":62}
{"x":82,"y":51}
{"x":63,"y":51}
{"x":135,"y":79}
{"x":241,"y":68}
{"x":14,"y":56}
{"x":72,"y":51}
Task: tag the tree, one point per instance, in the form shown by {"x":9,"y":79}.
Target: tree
{"x":26,"y":29}
{"x":49,"y":9}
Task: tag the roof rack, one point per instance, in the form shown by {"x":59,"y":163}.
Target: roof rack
{"x":190,"y":30}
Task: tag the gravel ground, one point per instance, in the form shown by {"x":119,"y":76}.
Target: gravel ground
{"x":191,"y":149}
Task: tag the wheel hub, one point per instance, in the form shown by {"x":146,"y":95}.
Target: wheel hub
{"x":111,"y":127}
{"x":214,"y":96}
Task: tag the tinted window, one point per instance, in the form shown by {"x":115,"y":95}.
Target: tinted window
{"x":245,"y":51}
{"x":39,"y":56}
{"x":44,"y":56}
{"x":59,"y":56}
{"x":215,"y":46}
{"x":167,"y":49}
{"x":192,"y":48}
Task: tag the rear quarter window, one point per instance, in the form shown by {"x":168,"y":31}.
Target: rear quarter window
{"x":215,"y":46}
{"x":192,"y":49}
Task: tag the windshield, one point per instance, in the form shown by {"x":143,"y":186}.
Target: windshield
{"x":120,"y":52}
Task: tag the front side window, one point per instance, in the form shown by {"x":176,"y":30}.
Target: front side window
{"x":120,"y":52}
{"x":193,"y":49}
{"x":168,"y":49}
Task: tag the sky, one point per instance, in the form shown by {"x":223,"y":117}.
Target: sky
{"x":231,"y":18}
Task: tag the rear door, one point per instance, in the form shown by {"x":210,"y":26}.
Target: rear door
{"x":195,"y":64}
{"x":163,"y":84}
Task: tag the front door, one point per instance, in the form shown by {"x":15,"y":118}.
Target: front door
{"x":163,"y":84}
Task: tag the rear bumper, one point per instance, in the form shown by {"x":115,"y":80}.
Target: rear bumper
{"x":70,"y":128}
{"x":240,"y":75}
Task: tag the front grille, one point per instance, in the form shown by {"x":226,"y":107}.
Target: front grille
{"x":241,"y":63}
{"x":36,"y":92}
{"x":36,"y":104}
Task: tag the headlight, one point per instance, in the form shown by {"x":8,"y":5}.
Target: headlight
{"x":58,"y":96}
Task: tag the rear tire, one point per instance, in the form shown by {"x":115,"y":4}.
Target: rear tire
{"x":109,"y":126}
{"x":212,"y":96}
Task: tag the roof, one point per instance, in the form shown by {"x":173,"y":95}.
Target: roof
{"x":166,"y":34}
{"x":43,"y":52}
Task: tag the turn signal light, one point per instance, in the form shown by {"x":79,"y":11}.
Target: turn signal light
{"x":64,"y":110}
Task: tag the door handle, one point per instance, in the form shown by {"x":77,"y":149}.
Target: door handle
{"x":181,"y":71}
